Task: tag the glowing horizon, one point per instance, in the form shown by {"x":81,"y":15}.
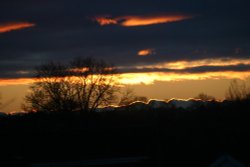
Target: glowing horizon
{"x":152,"y":85}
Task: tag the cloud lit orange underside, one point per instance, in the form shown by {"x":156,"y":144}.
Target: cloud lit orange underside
{"x":145,"y":52}
{"x":150,"y":78}
{"x":14,"y":26}
{"x":129,"y":21}
{"x":142,"y":21}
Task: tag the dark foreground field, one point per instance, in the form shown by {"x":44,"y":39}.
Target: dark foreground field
{"x":154,"y":138}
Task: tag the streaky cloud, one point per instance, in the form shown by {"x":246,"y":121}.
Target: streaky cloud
{"x":200,"y":69}
{"x":187,"y":64}
{"x":131,"y":21}
{"x":140,"y":20}
{"x":12,"y":26}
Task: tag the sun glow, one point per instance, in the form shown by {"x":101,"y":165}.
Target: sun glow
{"x":11,"y":26}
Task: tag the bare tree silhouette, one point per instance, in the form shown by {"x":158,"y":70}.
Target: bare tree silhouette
{"x":237,"y":91}
{"x":0,"y":101}
{"x":84,"y":84}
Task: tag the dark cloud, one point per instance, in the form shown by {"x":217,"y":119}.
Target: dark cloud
{"x":64,"y":29}
{"x":193,"y":70}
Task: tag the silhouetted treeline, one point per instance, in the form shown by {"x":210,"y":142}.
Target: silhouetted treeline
{"x":173,"y":137}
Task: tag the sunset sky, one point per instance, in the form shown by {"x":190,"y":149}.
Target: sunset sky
{"x":162,"y":48}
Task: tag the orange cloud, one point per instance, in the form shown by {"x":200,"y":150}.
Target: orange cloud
{"x":145,"y":52}
{"x":105,"y":20}
{"x":7,"y":27}
{"x":131,"y":21}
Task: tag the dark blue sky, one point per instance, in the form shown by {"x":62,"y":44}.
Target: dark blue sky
{"x":65,"y":29}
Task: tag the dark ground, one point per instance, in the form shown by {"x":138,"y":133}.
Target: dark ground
{"x":168,"y":138}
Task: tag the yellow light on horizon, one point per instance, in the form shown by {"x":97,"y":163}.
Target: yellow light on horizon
{"x":148,"y":78}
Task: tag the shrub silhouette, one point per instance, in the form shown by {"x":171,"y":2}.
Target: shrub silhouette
{"x":204,"y":97}
{"x":128,"y":96}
